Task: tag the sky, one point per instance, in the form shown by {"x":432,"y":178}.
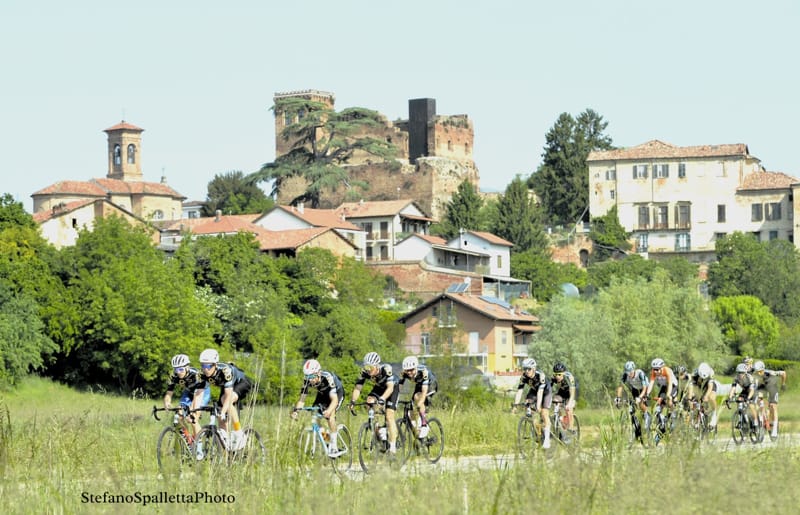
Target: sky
{"x":199,"y":77}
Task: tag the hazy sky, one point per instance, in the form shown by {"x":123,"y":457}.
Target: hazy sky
{"x":199,"y":77}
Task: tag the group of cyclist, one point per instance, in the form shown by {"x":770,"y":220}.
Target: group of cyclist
{"x":384,"y":393}
{"x":196,"y":392}
{"x":543,"y":390}
{"x":681,"y":386}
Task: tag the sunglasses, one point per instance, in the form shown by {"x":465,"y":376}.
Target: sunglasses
{"x":409,"y":370}
{"x":656,"y":370}
{"x":180,"y":369}
{"x":527,"y":369}
{"x":311,"y":376}
{"x":207,"y":366}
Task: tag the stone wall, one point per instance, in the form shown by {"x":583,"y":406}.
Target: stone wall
{"x":423,"y":281}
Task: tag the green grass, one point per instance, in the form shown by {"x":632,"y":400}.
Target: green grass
{"x":63,"y":445}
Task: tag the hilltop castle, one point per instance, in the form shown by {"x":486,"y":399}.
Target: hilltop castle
{"x":435,"y":152}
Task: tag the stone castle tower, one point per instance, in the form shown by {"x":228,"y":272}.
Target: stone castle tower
{"x":435,"y":153}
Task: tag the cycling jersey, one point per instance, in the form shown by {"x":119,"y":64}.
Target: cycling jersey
{"x":228,"y":376}
{"x":537,"y":382}
{"x":769,"y":381}
{"x":563,"y":386}
{"x":382,"y":380}
{"x":747,"y":384}
{"x":423,"y":377}
{"x":192,"y":380}
{"x":329,"y":383}
{"x":636,"y":384}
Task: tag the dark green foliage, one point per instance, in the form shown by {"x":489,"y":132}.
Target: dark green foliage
{"x":519,"y":219}
{"x":678,"y":270}
{"x":324,"y":141}
{"x":232,"y":194}
{"x":13,"y":214}
{"x":748,"y":327}
{"x":769,"y":271}
{"x":546,"y":276}
{"x":609,"y":237}
{"x":562,"y":180}
{"x":462,"y":212}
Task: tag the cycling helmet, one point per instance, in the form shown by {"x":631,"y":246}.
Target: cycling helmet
{"x":410,"y":362}
{"x":529,"y":363}
{"x":630,"y":366}
{"x":372,"y":358}
{"x":311,"y":367}
{"x":758,"y":366}
{"x":209,"y":356}
{"x":180,"y":360}
{"x":657,"y":363}
{"x":748,"y":361}
{"x":704,"y":370}
{"x":681,"y":369}
{"x":741,"y":368}
{"x":559,"y":367}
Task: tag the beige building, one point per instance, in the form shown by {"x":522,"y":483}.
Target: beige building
{"x":680,"y":200}
{"x":123,"y":187}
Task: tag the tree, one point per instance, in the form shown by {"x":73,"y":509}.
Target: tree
{"x":232,"y":194}
{"x":12,"y":213}
{"x":519,"y":219}
{"x":769,"y":271}
{"x":748,"y":326}
{"x":562,"y":180}
{"x":545,"y":275}
{"x":462,"y":212}
{"x":608,"y":236}
{"x":323,"y":142}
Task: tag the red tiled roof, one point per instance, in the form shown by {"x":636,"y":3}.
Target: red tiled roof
{"x":655,"y":149}
{"x":491,"y":309}
{"x":433,"y":240}
{"x":137,"y":187}
{"x":767,"y":181}
{"x":321,"y":217}
{"x":43,"y":216}
{"x":225,"y":224}
{"x":72,"y":188}
{"x":374,"y":208}
{"x":124,"y":125}
{"x":491,"y":238}
{"x":292,"y":239}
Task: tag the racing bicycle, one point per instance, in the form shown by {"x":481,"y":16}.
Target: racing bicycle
{"x":431,"y":446}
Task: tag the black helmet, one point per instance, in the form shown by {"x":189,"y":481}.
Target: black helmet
{"x":559,"y":367}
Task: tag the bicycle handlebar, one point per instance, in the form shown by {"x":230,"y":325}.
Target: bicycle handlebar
{"x":179,"y":408}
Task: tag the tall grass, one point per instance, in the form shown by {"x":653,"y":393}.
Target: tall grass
{"x":64,"y":445}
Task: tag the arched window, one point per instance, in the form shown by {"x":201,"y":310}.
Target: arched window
{"x":158,"y":214}
{"x":117,"y":155}
{"x":131,"y":154}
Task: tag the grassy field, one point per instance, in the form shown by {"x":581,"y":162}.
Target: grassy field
{"x":62,"y":451}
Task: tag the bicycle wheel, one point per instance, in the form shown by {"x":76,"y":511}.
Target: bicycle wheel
{"x":432,"y":445}
{"x":253,"y":452}
{"x":344,"y":461}
{"x":738,"y":427}
{"x":575,"y":430}
{"x":757,"y":432}
{"x":526,"y":437}
{"x":406,"y":444}
{"x":208,"y":446}
{"x":172,"y":452}
{"x":308,"y":449}
{"x":370,"y":447}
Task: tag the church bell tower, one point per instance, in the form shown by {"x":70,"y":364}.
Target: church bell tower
{"x":124,"y":152}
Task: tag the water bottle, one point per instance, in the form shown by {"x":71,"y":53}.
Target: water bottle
{"x":176,"y":418}
{"x":325,"y":434}
{"x":382,"y":433}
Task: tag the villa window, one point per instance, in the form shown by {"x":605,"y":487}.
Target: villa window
{"x":682,"y":170}
{"x":756,"y":213}
{"x":661,"y":171}
{"x":640,"y":171}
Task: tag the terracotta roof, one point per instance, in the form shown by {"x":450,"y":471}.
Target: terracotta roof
{"x":433,"y":240}
{"x":226,"y":224}
{"x":43,"y":216}
{"x":278,"y":240}
{"x":767,"y":181}
{"x":72,"y":188}
{"x":655,"y":149}
{"x":124,"y":125}
{"x":321,"y":217}
{"x":136,"y":187}
{"x":374,"y":208}
{"x":495,"y":310}
{"x":491,"y":238}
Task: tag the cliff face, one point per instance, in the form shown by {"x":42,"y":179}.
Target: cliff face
{"x":431,"y":183}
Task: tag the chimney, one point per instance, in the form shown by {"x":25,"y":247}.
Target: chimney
{"x":217,"y":215}
{"x":301,"y":207}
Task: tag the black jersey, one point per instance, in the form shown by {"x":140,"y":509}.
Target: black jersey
{"x":226,"y":376}
{"x":384,"y":378}
{"x":328,"y":382}
{"x":423,"y":377}
{"x":538,"y":381}
{"x":192,"y":381}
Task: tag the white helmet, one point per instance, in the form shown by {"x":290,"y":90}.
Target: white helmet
{"x":630,"y":366}
{"x":529,"y":363}
{"x":657,"y":363}
{"x":758,"y":366}
{"x":209,"y":356}
{"x":705,"y":371}
{"x":372,"y":358}
{"x":741,"y":368}
{"x":410,"y":362}
{"x":180,"y":360}
{"x":311,"y":367}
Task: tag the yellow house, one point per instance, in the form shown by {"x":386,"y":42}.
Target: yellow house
{"x":483,"y":331}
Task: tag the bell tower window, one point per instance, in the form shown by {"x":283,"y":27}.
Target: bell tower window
{"x":131,"y":154}
{"x":117,"y":155}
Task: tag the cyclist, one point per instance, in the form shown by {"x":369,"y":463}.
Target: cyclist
{"x":768,"y":380}
{"x":539,"y":394}
{"x":195,"y":392}
{"x":747,"y":391}
{"x":685,"y":386}
{"x":665,"y":378}
{"x":565,"y":386}
{"x":704,"y":388}
{"x":330,"y":394}
{"x":637,"y":383}
{"x":234,"y":386}
{"x":425,"y":387}
{"x":384,"y":393}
